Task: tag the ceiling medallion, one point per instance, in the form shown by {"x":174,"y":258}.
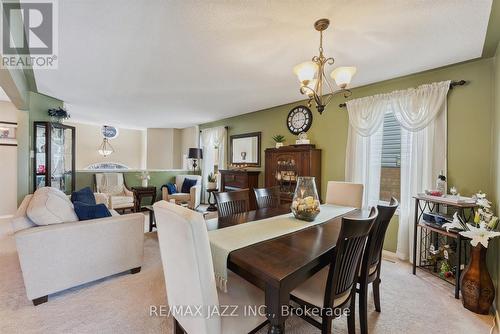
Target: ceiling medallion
{"x":312,"y":77}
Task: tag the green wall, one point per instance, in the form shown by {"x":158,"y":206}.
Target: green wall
{"x":469,"y":122}
{"x":157,"y":179}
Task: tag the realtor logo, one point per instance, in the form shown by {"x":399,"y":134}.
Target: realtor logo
{"x":29,"y":34}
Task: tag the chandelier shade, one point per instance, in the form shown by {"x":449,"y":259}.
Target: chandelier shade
{"x":312,"y":78}
{"x":105,"y":148}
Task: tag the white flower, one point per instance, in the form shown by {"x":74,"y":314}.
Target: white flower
{"x":454,"y":224}
{"x":479,"y":235}
{"x":483,"y":202}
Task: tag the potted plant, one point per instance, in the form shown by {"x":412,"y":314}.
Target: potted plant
{"x":58,"y":115}
{"x":476,"y":285}
{"x":212,"y":181}
{"x":279,"y":139}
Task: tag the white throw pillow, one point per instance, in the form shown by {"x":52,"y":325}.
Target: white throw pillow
{"x":51,"y":206}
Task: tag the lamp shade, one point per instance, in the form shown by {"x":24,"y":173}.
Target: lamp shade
{"x":306,"y":71}
{"x":195,"y":153}
{"x":343,"y":75}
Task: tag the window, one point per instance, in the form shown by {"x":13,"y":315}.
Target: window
{"x":390,"y":175}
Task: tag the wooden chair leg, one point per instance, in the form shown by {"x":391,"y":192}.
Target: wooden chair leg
{"x":351,"y":317}
{"x":178,"y":328}
{"x":40,"y":300}
{"x":376,"y":294}
{"x":363,"y":303}
{"x":326,"y":325}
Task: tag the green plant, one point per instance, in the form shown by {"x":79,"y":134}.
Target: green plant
{"x":211,"y":177}
{"x":279,"y":138}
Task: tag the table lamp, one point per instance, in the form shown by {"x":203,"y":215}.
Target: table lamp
{"x":195,"y":154}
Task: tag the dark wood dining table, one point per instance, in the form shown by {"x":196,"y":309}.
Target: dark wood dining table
{"x":279,"y":265}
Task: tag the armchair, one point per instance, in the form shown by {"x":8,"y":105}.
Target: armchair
{"x":193,"y":198}
{"x":114,"y":187}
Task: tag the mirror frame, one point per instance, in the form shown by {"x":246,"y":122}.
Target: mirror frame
{"x":247,"y":135}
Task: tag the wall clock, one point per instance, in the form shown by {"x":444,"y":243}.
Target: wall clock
{"x":299,"y":119}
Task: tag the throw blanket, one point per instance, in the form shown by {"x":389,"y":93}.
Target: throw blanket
{"x":226,"y":240}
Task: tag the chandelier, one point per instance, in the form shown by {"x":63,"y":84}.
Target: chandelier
{"x":312,"y":76}
{"x":105,"y":148}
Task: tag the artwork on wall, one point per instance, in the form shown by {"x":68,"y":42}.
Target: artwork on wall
{"x":8,"y":133}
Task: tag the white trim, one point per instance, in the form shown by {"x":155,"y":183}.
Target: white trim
{"x":389,"y":255}
{"x":6,"y":216}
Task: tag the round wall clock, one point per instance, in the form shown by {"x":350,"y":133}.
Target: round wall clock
{"x":299,"y":119}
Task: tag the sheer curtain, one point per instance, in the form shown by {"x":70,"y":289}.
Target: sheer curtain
{"x":422,"y":113}
{"x":364,"y":145}
{"x":213,"y":141}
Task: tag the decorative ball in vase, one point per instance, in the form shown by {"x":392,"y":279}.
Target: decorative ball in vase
{"x":305,"y":204}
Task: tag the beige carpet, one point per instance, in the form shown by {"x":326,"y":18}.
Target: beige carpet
{"x":120,"y":304}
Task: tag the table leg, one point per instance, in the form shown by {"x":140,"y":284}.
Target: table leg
{"x":458,"y":264}
{"x":415,"y":223}
{"x":151,"y":220}
{"x":276,"y":300}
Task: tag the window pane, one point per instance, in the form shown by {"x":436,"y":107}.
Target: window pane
{"x":390,"y":178}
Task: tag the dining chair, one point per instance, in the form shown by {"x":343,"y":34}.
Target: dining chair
{"x":332,"y":290}
{"x":267,"y":197}
{"x":232,"y":202}
{"x":372,"y":260}
{"x":345,"y":194}
{"x":190,"y":280}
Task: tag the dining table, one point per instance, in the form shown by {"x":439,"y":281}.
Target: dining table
{"x":281,"y":264}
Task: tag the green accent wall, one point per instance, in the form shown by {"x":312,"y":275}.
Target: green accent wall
{"x":469,"y":127}
{"x":157,"y":179}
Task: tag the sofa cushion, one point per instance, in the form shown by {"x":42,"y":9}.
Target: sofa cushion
{"x":180,"y":197}
{"x":187,"y":184}
{"x":86,"y":211}
{"x":85,"y":195}
{"x":50,"y":206}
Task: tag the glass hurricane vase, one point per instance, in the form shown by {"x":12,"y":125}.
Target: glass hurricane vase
{"x":305,"y":204}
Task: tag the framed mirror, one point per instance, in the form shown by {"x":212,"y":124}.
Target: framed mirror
{"x":245,"y":149}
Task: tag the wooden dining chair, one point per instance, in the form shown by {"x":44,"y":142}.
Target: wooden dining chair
{"x":372,"y":260}
{"x":267,"y":197}
{"x":345,"y":194}
{"x":232,"y":202}
{"x":190,"y":280}
{"x":332,"y":290}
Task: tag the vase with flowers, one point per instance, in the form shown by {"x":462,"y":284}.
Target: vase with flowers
{"x":476,"y":285}
{"x":144,"y":177}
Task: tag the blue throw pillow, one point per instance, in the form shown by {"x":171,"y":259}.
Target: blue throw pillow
{"x":85,"y":195}
{"x":172,"y":189}
{"x":86,"y":211}
{"x":187,"y":184}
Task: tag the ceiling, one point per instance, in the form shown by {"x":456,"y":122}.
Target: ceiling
{"x":160,"y":63}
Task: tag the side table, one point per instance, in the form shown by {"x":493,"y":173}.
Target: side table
{"x":211,"y":206}
{"x":140,"y":193}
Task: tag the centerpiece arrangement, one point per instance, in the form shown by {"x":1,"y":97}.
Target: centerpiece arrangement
{"x":305,"y":204}
{"x":476,"y":285}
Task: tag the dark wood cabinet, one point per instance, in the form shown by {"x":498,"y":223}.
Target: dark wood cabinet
{"x":240,"y":179}
{"x":285,"y":164}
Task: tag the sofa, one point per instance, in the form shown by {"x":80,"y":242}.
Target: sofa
{"x":193,"y":198}
{"x":114,"y":187}
{"x":55,"y":257}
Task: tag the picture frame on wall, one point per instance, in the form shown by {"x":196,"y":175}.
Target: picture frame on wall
{"x":8,"y":133}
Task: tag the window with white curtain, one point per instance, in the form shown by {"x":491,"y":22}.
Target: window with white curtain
{"x":390,"y":172}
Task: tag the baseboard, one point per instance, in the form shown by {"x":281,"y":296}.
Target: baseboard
{"x":497,"y":321}
{"x":6,"y":216}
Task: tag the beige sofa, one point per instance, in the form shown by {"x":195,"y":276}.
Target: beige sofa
{"x":60,"y":256}
{"x":193,"y":198}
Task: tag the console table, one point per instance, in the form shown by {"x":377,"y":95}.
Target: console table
{"x":431,"y":234}
{"x":140,"y":193}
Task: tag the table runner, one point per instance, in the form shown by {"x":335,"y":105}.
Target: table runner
{"x":224,"y":241}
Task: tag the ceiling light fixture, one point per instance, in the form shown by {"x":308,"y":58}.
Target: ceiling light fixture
{"x":312,"y":77}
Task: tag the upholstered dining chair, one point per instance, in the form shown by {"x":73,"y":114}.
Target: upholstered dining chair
{"x":332,"y":290}
{"x":267,"y":197}
{"x":344,"y":193}
{"x":372,"y":260}
{"x":232,"y":202}
{"x":190,"y":280}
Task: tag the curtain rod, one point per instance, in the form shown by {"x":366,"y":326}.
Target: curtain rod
{"x":452,"y":84}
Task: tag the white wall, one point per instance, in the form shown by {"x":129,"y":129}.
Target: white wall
{"x":190,"y":138}
{"x":128,"y":146}
{"x":8,"y":165}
